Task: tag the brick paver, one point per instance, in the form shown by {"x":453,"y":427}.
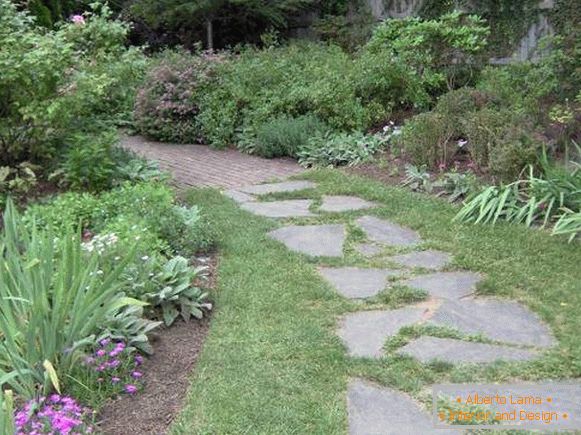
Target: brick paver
{"x":200,"y":165}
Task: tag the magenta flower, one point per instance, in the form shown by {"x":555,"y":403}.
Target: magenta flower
{"x":100,"y":353}
{"x":136,"y":374}
{"x":78,"y":19}
{"x":138,"y":360}
{"x":115,"y":380}
{"x":130,"y":389}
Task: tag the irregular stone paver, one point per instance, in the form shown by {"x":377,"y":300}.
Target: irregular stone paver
{"x":426,"y":259}
{"x":368,"y":249}
{"x":341,"y":203}
{"x":375,"y":410}
{"x":239,"y":197}
{"x":426,"y":349}
{"x":285,"y":186}
{"x":280,"y":209}
{"x":387,"y":233}
{"x":365,"y":332}
{"x":447,"y":285}
{"x":315,"y":240}
{"x":200,"y":165}
{"x":354,"y":282}
{"x":505,"y":321}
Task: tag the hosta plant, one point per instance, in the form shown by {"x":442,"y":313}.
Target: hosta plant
{"x":177,"y":294}
{"x":53,"y":299}
{"x":457,"y":185}
{"x":418,"y":179}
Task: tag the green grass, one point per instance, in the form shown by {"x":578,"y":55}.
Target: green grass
{"x":272,"y":364}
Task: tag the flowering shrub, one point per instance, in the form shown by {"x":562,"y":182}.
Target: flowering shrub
{"x":55,"y":414}
{"x":166,"y":107}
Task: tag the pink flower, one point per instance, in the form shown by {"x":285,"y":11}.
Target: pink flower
{"x":442,"y":166}
{"x":130,"y":389}
{"x":115,"y":379}
{"x":78,"y":19}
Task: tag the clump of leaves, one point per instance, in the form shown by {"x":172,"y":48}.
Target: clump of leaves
{"x":457,"y":185}
{"x":340,"y":149}
{"x":418,"y":179}
{"x":178,"y":295}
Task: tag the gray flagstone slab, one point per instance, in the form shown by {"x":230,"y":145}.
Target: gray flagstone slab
{"x":427,"y":259}
{"x":314,"y":240}
{"x":285,"y":186}
{"x":365,"y":332}
{"x":355,"y":282}
{"x":447,"y":285}
{"x":340,"y":203}
{"x":280,"y":209}
{"x":239,"y":197}
{"x":505,"y":321}
{"x":427,"y":349}
{"x":387,"y":233}
{"x":375,"y":410}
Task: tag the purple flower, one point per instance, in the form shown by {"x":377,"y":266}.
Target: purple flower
{"x":100,"y":353}
{"x":138,"y":360}
{"x":136,"y":374}
{"x":55,"y":398}
{"x":130,"y":389}
{"x":104,"y":342}
{"x":115,"y":380}
{"x":78,"y":19}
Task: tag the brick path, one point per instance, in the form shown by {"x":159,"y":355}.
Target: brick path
{"x":202,"y":166}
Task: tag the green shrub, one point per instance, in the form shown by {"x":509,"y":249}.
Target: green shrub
{"x":166,"y":107}
{"x":88,"y":163}
{"x":341,"y":149}
{"x":53,"y":299}
{"x":295,"y":80}
{"x":427,"y":139}
{"x":441,"y":53}
{"x":59,"y":82}
{"x":501,"y":141}
{"x":129,"y":209}
{"x":285,"y":136}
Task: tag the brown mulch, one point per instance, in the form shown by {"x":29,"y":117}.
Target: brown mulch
{"x":166,"y":376}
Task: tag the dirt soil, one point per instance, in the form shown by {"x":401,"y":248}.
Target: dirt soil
{"x":166,"y":376}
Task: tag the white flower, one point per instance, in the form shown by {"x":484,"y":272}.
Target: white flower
{"x":145,"y":258}
{"x":462,"y":142}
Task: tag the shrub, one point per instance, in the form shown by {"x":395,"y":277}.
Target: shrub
{"x":285,"y":136}
{"x":299,"y":79}
{"x":56,"y":83}
{"x":88,"y":163}
{"x":501,"y":141}
{"x":334,"y":149}
{"x":427,"y":137}
{"x":443,"y":53}
{"x":166,"y":107}
{"x":53,"y":299}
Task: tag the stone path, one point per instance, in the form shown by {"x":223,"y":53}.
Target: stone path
{"x":202,"y":166}
{"x":378,"y":410}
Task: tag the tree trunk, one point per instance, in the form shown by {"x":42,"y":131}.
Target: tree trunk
{"x":210,"y":34}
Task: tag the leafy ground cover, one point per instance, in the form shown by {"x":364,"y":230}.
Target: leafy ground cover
{"x":272,"y":363}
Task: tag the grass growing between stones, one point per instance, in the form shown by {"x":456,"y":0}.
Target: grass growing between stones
{"x":272,"y":363}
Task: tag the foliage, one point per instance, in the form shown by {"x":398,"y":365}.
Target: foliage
{"x":111,"y":369}
{"x":555,"y":194}
{"x":53,"y":414}
{"x":54,"y":298}
{"x":128,"y":324}
{"x":216,"y":22}
{"x":177,"y":294}
{"x":427,"y":139}
{"x":141,"y":170}
{"x":338,"y":149}
{"x":290,"y":81}
{"x":457,"y":185}
{"x":59,"y":82}
{"x":443,"y":52}
{"x":88,"y":163}
{"x":568,"y":224}
{"x":284,"y":136}
{"x":17,"y":181}
{"x":350,"y":29}
{"x":418,"y":179}
{"x":166,"y":107}
{"x":6,"y":412}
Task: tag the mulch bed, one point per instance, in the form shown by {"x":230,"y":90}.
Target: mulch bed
{"x":166,"y":376}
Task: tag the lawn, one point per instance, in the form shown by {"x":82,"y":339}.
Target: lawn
{"x":272,"y":363}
